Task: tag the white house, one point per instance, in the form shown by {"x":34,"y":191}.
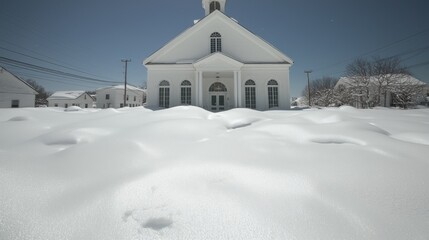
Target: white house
{"x":392,"y":90}
{"x":218,"y":64}
{"x":14,"y":92}
{"x":113,"y":97}
{"x":70,"y":98}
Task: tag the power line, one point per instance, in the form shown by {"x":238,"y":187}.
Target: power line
{"x":49,"y":79}
{"x":19,"y":23}
{"x":375,"y":50}
{"x":417,"y":52}
{"x":395,"y":42}
{"x":419,"y":65}
{"x":46,"y":56}
{"x":42,"y":60}
{"x":45,"y":73}
{"x":49,"y":70}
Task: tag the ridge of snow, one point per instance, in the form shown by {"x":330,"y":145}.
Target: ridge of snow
{"x":186,"y":173}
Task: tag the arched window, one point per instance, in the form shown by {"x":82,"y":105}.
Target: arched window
{"x":164,"y":94}
{"x":215,"y":5}
{"x":250,"y":94}
{"x":185,"y":92}
{"x":215,"y":42}
{"x":273,"y":94}
{"x":217,"y":87}
{"x":164,"y":83}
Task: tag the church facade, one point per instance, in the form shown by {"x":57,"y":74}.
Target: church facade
{"x":217,"y":64}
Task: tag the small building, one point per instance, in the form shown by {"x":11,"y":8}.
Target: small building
{"x":14,"y":92}
{"x":401,"y":90}
{"x":66,"y":99}
{"x":113,"y":96}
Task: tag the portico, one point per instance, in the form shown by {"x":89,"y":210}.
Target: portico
{"x":218,"y":81}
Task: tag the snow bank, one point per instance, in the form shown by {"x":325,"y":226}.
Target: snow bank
{"x":185,"y":173}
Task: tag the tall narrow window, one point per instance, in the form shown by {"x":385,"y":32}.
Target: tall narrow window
{"x":250,"y":94}
{"x":185,"y":92}
{"x":215,"y":42}
{"x":215,"y":5}
{"x":164,"y":94}
{"x":273,"y":94}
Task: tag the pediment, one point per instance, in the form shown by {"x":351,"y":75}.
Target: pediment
{"x":237,"y":42}
{"x":217,"y":62}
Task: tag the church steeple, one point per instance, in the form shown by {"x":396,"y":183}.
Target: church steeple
{"x":212,"y":5}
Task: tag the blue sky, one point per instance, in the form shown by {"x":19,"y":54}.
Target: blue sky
{"x":92,"y":36}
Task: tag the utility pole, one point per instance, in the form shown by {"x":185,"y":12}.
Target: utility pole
{"x":308,"y":86}
{"x":125,"y":84}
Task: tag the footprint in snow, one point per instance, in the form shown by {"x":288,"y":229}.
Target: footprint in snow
{"x":158,"y":224}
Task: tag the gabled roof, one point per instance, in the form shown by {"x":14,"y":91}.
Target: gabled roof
{"x":217,"y":60}
{"x":398,"y":79}
{"x":200,"y":24}
{"x":121,"y":87}
{"x":66,"y":95}
{"x":12,"y":77}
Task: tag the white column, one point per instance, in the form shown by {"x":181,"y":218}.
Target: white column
{"x":239,"y":89}
{"x":235,"y":89}
{"x":197,"y":87}
{"x":200,"y":85}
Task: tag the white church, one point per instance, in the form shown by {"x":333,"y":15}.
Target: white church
{"x":217,"y":64}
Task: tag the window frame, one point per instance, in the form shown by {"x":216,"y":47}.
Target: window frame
{"x":164,"y":94}
{"x":186,"y":93}
{"x":218,"y":87}
{"x":273,"y":94}
{"x":214,"y":5}
{"x":215,"y":42}
{"x":250,"y":94}
{"x":14,"y":103}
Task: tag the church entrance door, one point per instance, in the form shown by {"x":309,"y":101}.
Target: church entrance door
{"x":217,"y":97}
{"x":217,"y":102}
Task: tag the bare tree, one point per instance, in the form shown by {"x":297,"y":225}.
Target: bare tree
{"x":344,"y":95}
{"x":359,"y":75}
{"x":408,"y":92}
{"x":322,"y":92}
{"x":387,"y":74}
{"x":41,"y":97}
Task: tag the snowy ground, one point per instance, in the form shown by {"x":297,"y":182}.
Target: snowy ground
{"x":185,"y":173}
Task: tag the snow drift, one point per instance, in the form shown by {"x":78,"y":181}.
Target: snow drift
{"x":185,"y":173}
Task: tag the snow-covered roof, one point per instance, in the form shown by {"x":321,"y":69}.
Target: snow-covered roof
{"x":66,"y":95}
{"x":398,"y":78}
{"x":121,"y":87}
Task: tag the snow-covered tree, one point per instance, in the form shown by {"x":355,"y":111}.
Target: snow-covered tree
{"x":322,"y":92}
{"x":387,"y":74}
{"x":408,"y":92}
{"x":359,"y":74}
